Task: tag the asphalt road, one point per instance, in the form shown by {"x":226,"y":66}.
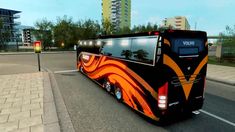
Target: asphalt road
{"x":92,"y":109}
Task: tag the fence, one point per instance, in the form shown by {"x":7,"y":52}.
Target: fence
{"x":222,"y":52}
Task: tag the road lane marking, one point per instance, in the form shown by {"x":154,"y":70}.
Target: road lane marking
{"x":217,"y":117}
{"x":65,"y":71}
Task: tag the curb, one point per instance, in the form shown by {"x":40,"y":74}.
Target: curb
{"x":221,"y":81}
{"x":50,"y":118}
{"x":28,"y":53}
{"x":65,"y":122}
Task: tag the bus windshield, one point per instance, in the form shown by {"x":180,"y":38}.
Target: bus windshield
{"x":187,"y":46}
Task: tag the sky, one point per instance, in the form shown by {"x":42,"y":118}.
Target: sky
{"x":211,"y":16}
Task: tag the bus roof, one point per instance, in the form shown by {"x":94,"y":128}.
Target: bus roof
{"x":152,"y":33}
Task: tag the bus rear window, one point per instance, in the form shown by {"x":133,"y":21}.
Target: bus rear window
{"x":184,"y":46}
{"x":188,"y":51}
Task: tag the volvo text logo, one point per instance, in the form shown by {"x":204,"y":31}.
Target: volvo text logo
{"x":188,"y":43}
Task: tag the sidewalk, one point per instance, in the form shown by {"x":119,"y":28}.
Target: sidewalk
{"x":43,"y":52}
{"x":222,"y":74}
{"x":26,"y":103}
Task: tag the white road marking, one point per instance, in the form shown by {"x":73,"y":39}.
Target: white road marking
{"x":217,"y":117}
{"x":196,"y":112}
{"x":65,"y":71}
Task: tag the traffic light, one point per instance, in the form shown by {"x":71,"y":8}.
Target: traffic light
{"x":37,"y":47}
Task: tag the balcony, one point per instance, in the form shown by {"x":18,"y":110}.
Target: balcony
{"x":178,"y":21}
{"x":14,"y":30}
{"x":16,"y":16}
{"x":178,"y":18}
{"x":113,"y":8}
{"x":16,"y":23}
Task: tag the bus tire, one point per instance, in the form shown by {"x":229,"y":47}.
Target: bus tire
{"x":107,"y":85}
{"x":118,"y":93}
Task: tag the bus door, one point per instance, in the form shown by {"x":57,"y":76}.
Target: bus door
{"x":185,"y":58}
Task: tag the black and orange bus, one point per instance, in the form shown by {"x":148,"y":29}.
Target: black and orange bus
{"x":155,"y":73}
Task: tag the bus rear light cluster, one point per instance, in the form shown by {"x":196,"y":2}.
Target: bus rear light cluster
{"x":162,"y":96}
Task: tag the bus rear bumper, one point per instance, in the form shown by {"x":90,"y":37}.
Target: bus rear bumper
{"x":183,"y":108}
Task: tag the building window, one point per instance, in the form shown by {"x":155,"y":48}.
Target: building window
{"x":178,"y":21}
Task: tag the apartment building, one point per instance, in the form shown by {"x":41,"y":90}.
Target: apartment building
{"x":9,"y":25}
{"x":118,"y":12}
{"x":178,"y":22}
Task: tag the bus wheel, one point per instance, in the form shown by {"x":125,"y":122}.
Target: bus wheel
{"x":118,"y":93}
{"x":107,"y":86}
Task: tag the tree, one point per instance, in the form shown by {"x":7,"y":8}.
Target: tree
{"x":108,"y":27}
{"x":230,"y":34}
{"x":43,"y":32}
{"x":68,"y":32}
{"x":124,"y":30}
{"x":89,"y":29}
{"x":145,"y":28}
{"x":65,"y":32}
{"x":229,"y":42}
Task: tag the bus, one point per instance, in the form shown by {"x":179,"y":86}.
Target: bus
{"x":156,"y":73}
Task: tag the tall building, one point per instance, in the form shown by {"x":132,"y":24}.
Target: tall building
{"x":9,"y":25}
{"x":178,"y":22}
{"x":27,"y":36}
{"x":22,"y":29}
{"x":118,"y":12}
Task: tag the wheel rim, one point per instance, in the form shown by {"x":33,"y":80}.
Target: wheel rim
{"x":118,"y":93}
{"x":107,"y":86}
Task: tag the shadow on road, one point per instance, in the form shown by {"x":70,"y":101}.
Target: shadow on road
{"x":169,"y":120}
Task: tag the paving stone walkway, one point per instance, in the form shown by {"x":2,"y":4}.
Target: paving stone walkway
{"x":21,"y":102}
{"x":223,"y":74}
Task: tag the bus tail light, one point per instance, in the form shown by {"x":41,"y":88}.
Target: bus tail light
{"x":162,"y":96}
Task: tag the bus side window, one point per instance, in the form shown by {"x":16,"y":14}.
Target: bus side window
{"x":143,"y":49}
{"x":107,"y":47}
{"x":123,"y":48}
{"x":117,"y":48}
{"x":101,"y":46}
